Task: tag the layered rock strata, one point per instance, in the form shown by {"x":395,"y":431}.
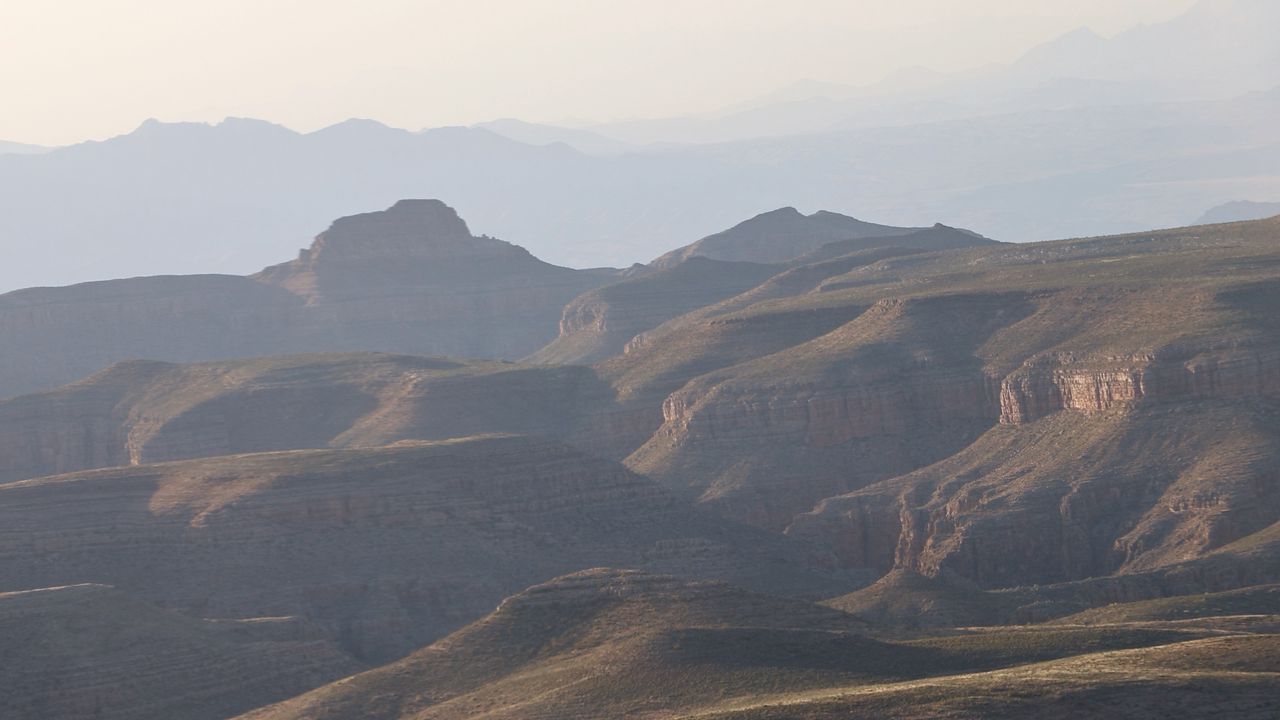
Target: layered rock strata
{"x":384,"y":549}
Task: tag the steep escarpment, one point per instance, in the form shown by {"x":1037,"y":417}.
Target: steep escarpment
{"x":385,"y":549}
{"x":1220,"y":340}
{"x":891,"y":390}
{"x":90,"y":651}
{"x":1064,"y":498}
{"x":144,"y":412}
{"x":410,"y":279}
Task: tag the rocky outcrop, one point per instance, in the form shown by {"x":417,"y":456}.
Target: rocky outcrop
{"x":1049,"y":384}
{"x":411,"y":279}
{"x":90,"y":652}
{"x":385,"y":549}
{"x":888,"y":392}
{"x":1062,"y":499}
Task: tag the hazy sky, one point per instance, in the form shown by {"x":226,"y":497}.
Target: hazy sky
{"x":78,"y":69}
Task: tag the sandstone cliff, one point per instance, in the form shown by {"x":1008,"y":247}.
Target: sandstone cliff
{"x":894,"y":389}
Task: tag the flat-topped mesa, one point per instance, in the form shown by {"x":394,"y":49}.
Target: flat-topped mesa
{"x":413,"y":279}
{"x":411,"y":241}
{"x":409,"y":229}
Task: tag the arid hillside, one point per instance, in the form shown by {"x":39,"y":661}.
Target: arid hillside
{"x":607,"y":644}
{"x":142,"y":411}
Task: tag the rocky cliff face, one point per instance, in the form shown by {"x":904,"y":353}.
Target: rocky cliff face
{"x":887,"y":392}
{"x":1066,"y":498}
{"x":411,"y":279}
{"x":384,"y":549}
{"x":1050,"y":384}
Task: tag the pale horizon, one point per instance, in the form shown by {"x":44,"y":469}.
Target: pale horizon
{"x":103,"y":71}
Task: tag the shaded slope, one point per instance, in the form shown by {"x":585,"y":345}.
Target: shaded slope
{"x":905,"y":598}
{"x":606,"y":644}
{"x":1120,"y":493}
{"x":1234,"y":677}
{"x":384,"y":549}
{"x":89,"y":651}
{"x":599,"y":323}
{"x":142,"y":411}
{"x":778,"y":236}
{"x":1256,"y":600}
{"x":938,"y":237}
{"x":53,"y":336}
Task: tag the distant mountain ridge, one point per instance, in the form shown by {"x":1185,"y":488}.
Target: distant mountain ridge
{"x":14,"y":148}
{"x":1238,"y":211}
{"x":133,"y":205}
